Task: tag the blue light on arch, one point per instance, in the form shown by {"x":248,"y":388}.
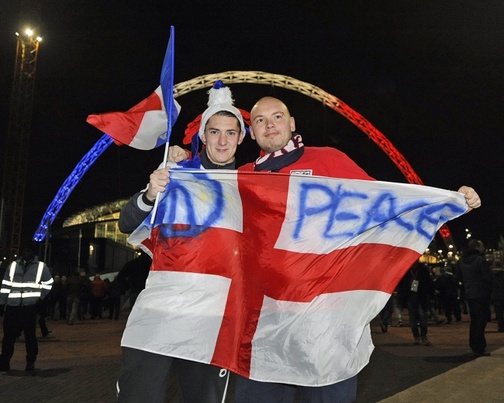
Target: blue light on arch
{"x":68,"y":186}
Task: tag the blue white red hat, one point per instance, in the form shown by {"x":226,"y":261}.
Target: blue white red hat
{"x":219,"y":99}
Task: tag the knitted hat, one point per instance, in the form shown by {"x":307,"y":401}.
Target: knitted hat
{"x":219,"y":99}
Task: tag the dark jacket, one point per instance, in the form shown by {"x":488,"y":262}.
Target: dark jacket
{"x":475,"y":274}
{"x":418,"y":272}
{"x":448,"y":284}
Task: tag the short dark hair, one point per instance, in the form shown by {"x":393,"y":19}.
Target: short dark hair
{"x":225,"y":113}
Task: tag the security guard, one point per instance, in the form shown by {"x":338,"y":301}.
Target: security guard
{"x":25,"y":282}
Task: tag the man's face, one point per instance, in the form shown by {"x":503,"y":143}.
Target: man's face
{"x":222,"y":135}
{"x":271,"y":124}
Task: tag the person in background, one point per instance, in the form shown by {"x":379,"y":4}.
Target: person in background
{"x":476,"y":276}
{"x":84,"y":295}
{"x":73,"y":289}
{"x":133,"y":275}
{"x":63,"y":303}
{"x":435,"y":306}
{"x":448,"y":286}
{"x":54,"y":307}
{"x":26,"y":281}
{"x":114,"y":293}
{"x":415,"y":290}
{"x":98,"y":293}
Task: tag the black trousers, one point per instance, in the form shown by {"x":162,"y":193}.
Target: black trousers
{"x":17,"y":320}
{"x":114,"y":307}
{"x":249,"y":391}
{"x":417,"y":316}
{"x":479,"y":310}
{"x":145,"y":377}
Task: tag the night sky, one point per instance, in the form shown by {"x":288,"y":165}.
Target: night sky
{"x":429,"y":75}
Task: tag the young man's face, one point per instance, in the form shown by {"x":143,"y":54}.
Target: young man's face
{"x":222,"y":135}
{"x":271,"y":124}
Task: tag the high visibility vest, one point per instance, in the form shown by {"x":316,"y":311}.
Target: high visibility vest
{"x":25,"y":287}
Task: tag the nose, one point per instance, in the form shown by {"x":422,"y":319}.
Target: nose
{"x":222,"y":138}
{"x":269,"y":123}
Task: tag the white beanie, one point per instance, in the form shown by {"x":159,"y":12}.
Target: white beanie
{"x":219,"y":99}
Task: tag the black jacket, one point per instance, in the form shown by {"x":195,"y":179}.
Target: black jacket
{"x":475,"y":274}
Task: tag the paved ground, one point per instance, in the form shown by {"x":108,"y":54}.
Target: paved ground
{"x":79,"y":363}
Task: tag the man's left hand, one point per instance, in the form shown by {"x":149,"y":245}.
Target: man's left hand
{"x":472,"y":198}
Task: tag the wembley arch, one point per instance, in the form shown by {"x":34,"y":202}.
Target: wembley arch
{"x":243,"y":77}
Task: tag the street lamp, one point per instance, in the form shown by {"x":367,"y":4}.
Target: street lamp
{"x":29,"y":34}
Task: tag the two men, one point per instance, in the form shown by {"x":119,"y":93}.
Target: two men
{"x":273,"y":129}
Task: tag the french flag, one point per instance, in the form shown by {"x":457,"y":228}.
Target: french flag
{"x":143,"y":127}
{"x":147,"y":125}
{"x":278,"y":277}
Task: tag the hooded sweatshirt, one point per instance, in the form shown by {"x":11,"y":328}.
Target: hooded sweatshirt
{"x":475,"y":274}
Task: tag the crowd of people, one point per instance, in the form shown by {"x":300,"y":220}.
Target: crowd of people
{"x":80,"y":296}
{"x":470,"y":285}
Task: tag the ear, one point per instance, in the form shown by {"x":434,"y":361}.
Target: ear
{"x":251,"y":133}
{"x":242,"y":136}
{"x":203,"y":138}
{"x":292,"y":124}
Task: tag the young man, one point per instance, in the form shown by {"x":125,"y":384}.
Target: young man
{"x":146,"y":370}
{"x":273,"y":128}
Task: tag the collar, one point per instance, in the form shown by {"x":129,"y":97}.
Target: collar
{"x":207,"y":164}
{"x":286,"y":156}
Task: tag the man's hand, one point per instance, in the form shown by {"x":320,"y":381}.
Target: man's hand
{"x":157,"y":184}
{"x":177,"y":154}
{"x":472,"y":198}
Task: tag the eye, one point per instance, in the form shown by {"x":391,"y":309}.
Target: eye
{"x":231,"y":133}
{"x":213,"y":132}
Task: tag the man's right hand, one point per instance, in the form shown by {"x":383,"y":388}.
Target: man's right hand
{"x":158,"y":181}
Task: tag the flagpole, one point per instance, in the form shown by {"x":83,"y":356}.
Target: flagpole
{"x":156,"y":202}
{"x":166,"y":80}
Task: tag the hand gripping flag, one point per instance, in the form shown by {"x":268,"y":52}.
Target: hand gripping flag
{"x":147,"y":125}
{"x":277,"y":278}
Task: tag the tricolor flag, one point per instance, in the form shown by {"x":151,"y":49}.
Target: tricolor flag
{"x":278,"y":277}
{"x":146,"y":125}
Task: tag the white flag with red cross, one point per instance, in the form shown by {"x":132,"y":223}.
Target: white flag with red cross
{"x":277,"y":277}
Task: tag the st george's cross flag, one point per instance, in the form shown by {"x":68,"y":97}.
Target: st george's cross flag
{"x":278,"y":277}
{"x":146,"y":125}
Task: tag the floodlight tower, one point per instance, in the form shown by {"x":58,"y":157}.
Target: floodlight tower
{"x":16,"y":144}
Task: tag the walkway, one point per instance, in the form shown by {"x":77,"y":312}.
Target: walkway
{"x":79,"y":363}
